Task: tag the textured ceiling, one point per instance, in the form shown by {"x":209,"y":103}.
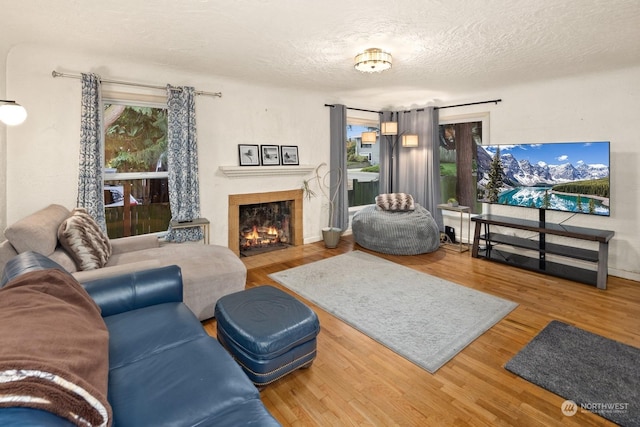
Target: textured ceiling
{"x":440,"y":48}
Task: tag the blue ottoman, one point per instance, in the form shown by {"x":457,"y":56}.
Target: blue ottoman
{"x":267,"y":331}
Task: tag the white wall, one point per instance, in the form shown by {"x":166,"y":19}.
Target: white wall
{"x":43,"y":152}
{"x":3,"y":146}
{"x":601,"y":107}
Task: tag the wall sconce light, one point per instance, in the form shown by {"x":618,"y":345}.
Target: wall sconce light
{"x":12,"y":113}
{"x":369,"y":137}
{"x":410,"y":140}
{"x":389,"y":128}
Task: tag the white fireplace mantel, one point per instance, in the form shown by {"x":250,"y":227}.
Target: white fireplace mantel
{"x":249,"y":171}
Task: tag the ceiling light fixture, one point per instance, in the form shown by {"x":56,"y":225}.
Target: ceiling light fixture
{"x":12,"y":113}
{"x":373,"y":61}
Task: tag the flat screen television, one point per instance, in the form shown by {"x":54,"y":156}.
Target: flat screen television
{"x":560,"y":176}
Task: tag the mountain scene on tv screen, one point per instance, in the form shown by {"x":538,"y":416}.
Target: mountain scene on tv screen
{"x":571,"y":177}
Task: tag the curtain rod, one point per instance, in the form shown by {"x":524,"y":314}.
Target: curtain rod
{"x":459,"y":105}
{"x":356,"y":109}
{"x":470,"y":103}
{"x":55,"y":74}
{"x":422,"y":109}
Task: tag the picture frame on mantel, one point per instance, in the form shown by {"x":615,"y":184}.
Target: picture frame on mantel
{"x":270,"y":155}
{"x":248,"y":155}
{"x":289,"y":155}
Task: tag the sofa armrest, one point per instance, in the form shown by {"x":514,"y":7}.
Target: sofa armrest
{"x":136,"y":290}
{"x":84,"y":276}
{"x":7,"y":252}
{"x":134,"y":243}
{"x":25,"y":263}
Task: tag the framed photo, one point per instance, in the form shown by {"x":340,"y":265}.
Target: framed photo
{"x":289,"y":154}
{"x":270,"y":155}
{"x":248,"y":155}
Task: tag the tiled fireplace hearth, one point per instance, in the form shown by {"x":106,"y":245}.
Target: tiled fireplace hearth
{"x":290,"y":213}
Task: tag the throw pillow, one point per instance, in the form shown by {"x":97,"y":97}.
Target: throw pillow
{"x":37,"y":232}
{"x":85,"y":241}
{"x":395,"y":202}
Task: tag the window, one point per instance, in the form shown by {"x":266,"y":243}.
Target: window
{"x":459,"y":138}
{"x":363,"y":160}
{"x":135,"y":179}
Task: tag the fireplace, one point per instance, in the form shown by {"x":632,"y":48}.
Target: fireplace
{"x":259,"y":222}
{"x":264,"y":227}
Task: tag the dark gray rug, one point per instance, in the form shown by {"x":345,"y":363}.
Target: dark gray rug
{"x":599,"y":374}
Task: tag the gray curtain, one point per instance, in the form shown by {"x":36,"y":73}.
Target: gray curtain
{"x":90,"y":184}
{"x":338,"y":165}
{"x":418,"y":168}
{"x":182,"y":160}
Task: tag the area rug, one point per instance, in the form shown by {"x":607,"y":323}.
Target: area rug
{"x":598,"y":374}
{"x":423,"y":318}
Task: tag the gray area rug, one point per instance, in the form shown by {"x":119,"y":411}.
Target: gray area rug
{"x":423,"y":318}
{"x":598,"y":374}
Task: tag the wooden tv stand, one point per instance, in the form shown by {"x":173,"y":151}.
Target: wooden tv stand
{"x":497,"y":247}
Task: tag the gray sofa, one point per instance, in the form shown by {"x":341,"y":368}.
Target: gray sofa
{"x":209,"y":271}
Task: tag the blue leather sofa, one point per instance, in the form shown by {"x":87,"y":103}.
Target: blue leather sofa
{"x":164,"y":370}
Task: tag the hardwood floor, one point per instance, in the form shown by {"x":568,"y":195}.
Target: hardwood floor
{"x":356,"y":381}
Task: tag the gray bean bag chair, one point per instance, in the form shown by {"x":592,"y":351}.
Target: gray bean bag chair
{"x":396,"y":232}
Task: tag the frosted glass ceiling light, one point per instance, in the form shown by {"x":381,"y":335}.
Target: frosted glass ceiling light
{"x":373,"y":61}
{"x":12,"y":113}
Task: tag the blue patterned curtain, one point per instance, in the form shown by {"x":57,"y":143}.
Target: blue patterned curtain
{"x":90,"y":184}
{"x":182,"y":156}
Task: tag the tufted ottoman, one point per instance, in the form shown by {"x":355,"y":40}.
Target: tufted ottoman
{"x":267,"y":331}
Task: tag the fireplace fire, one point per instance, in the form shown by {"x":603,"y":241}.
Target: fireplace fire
{"x":264,"y":227}
{"x":261,"y":222}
